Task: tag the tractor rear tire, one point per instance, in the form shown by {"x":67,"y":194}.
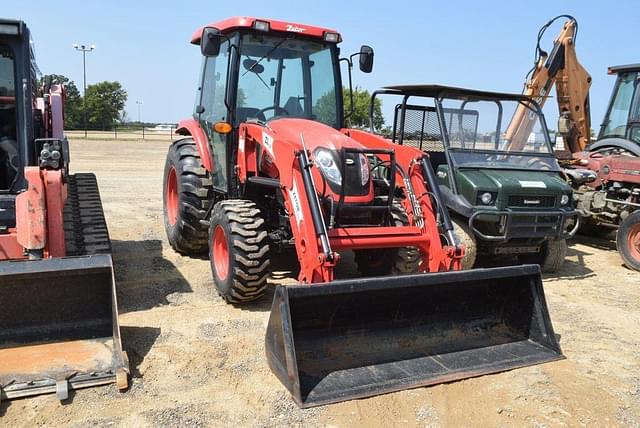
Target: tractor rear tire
{"x":466,"y":237}
{"x":551,"y":256}
{"x":390,"y":261}
{"x":187,"y":195}
{"x":238,"y":251}
{"x":628,"y":241}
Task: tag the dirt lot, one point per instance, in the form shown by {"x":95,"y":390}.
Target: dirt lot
{"x":197,"y":361}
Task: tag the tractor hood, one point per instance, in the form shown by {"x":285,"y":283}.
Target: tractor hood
{"x":315,"y":134}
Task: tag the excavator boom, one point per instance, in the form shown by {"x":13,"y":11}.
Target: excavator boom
{"x":562,"y":69}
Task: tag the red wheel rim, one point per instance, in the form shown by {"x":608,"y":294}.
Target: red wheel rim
{"x":220,"y":253}
{"x":172,"y":197}
{"x":634,"y":241}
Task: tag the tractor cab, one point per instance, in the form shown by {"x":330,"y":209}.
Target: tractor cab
{"x":9,"y":158}
{"x":16,"y":103}
{"x":620,"y":129}
{"x":258,"y":71}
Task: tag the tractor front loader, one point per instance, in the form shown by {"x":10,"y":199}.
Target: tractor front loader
{"x":266,"y":165}
{"x":58,"y":313}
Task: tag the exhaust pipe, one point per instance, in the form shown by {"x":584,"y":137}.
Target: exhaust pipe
{"x":358,"y":338}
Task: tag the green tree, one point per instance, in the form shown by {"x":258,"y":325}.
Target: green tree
{"x":73,"y":100}
{"x":361,"y":103}
{"x":324,"y":109}
{"x":105,"y":102}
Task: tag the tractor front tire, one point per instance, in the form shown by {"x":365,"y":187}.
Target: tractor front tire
{"x":628,"y":241}
{"x":238,"y":251}
{"x":464,"y":234}
{"x":390,"y":261}
{"x":187,"y":195}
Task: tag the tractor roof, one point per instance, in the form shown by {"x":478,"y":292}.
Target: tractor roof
{"x":617,"y":69}
{"x":437,"y":91}
{"x":238,"y":22}
{"x":12,"y":27}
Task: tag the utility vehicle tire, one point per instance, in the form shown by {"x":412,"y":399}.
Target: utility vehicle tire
{"x":628,"y":241}
{"x":551,"y":256}
{"x":466,"y":237}
{"x":187,"y":195}
{"x":389,"y":261}
{"x":238,"y":251}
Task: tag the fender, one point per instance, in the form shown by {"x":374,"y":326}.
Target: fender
{"x":192,"y":127}
{"x":613,"y":142}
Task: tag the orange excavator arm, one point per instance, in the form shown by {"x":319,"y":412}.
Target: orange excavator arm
{"x":562,"y":69}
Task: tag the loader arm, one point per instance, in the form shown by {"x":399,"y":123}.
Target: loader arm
{"x":562,"y":69}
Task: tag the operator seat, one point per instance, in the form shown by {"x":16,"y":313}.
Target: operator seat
{"x":293,"y":107}
{"x":244,"y":114}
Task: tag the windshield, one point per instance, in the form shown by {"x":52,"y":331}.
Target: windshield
{"x":480,"y":133}
{"x":615,"y":124}
{"x":287,"y":77}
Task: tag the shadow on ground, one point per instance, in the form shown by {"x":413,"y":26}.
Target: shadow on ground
{"x":144,"y":278}
{"x":137,"y":342}
{"x":604,"y":242}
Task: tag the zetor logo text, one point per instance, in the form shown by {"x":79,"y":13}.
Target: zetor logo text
{"x":295,"y":29}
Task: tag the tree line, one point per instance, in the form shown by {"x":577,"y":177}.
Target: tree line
{"x":105,"y":103}
{"x":106,"y":100}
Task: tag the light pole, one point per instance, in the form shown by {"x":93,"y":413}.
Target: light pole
{"x":84,"y":49}
{"x":139,"y":111}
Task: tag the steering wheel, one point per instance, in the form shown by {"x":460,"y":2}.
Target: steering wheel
{"x":534,"y":163}
{"x":276,"y":110}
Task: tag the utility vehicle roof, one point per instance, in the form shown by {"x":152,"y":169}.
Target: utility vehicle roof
{"x":437,"y":91}
{"x":238,"y":22}
{"x":616,"y":69}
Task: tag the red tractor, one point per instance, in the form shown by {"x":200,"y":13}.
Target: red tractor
{"x":266,"y":164}
{"x":58,"y":312}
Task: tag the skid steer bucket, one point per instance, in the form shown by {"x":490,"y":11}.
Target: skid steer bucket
{"x":357,"y":338}
{"x":59,"y":326}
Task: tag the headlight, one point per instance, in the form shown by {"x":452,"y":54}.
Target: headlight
{"x":364,"y":169}
{"x":564,"y":199}
{"x":486,"y":198}
{"x":328,"y":166}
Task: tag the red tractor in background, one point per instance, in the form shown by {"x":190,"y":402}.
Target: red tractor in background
{"x":266,"y":164}
{"x":605,"y":173}
{"x":58,"y":313}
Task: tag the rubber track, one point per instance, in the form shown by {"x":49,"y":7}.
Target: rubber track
{"x":85,"y":228}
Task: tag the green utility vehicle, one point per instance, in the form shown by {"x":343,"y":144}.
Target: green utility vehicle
{"x":495,"y":167}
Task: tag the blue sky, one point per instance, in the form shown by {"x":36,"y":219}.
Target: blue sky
{"x":481,"y":44}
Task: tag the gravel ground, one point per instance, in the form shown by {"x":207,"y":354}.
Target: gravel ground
{"x":197,"y":361}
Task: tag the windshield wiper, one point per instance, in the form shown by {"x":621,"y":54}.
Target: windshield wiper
{"x":266,"y":55}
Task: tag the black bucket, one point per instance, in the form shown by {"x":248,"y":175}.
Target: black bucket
{"x":59,"y":326}
{"x":362,"y":337}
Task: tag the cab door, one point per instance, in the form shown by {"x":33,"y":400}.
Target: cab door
{"x":212,"y":108}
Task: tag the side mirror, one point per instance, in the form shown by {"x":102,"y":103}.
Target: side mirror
{"x":210,"y":41}
{"x":366,"y":59}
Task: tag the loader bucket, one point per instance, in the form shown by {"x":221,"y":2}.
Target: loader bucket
{"x":59,"y":326}
{"x":357,"y":338}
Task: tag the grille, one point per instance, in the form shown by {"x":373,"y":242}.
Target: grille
{"x":422,"y":128}
{"x":527,"y":201}
{"x":534,"y":226}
